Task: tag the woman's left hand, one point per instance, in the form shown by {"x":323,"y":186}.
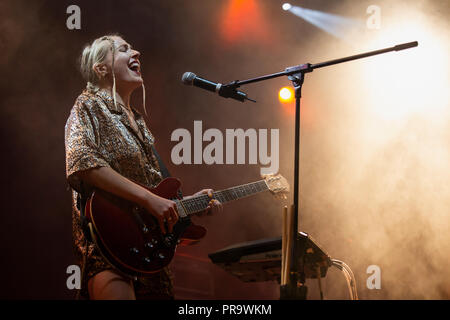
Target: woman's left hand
{"x":214,"y":205}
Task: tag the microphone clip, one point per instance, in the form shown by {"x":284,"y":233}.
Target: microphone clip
{"x":230,"y":91}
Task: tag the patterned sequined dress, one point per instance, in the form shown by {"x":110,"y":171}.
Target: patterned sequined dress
{"x":99,"y":134}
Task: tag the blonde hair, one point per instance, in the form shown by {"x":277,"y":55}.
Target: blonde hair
{"x":94,"y":53}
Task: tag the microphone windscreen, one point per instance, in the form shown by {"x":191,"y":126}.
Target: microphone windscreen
{"x":188,"y":78}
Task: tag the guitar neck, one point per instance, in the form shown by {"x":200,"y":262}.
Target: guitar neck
{"x":199,"y":203}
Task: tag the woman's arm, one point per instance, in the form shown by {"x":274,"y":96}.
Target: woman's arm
{"x":107,"y":179}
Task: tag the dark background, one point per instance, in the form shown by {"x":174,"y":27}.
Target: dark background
{"x":40,"y":81}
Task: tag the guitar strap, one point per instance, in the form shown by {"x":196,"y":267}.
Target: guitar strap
{"x":165,"y":173}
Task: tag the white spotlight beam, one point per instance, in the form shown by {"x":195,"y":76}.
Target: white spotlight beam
{"x":335,"y":25}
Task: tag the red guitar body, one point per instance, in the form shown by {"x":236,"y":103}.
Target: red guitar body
{"x":130,"y":238}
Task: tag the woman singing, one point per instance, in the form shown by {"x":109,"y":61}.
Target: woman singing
{"x":109,"y":147}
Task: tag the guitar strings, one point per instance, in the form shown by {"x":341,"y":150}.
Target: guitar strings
{"x":200,"y":202}
{"x":223,"y":193}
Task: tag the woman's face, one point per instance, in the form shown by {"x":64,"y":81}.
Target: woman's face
{"x":127,"y":67}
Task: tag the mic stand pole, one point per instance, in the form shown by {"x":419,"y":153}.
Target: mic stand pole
{"x":295,"y":288}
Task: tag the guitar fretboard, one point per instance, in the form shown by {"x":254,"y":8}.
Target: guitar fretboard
{"x":200,"y":202}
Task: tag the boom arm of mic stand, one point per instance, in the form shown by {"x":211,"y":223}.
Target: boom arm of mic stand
{"x":305,"y":68}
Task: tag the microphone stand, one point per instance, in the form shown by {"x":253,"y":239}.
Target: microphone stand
{"x":295,"y":287}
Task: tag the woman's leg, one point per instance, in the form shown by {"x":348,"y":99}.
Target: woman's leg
{"x":109,"y":285}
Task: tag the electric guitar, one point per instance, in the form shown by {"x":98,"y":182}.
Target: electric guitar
{"x":130,"y":239}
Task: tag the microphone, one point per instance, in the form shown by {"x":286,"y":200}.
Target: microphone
{"x":226,"y":91}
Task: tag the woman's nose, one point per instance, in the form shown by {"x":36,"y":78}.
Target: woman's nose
{"x":135,"y":54}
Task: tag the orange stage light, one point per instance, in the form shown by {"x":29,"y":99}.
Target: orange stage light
{"x":286,"y":95}
{"x":243,"y":20}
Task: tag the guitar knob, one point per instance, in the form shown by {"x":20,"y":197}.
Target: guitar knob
{"x":147,"y":260}
{"x":168,"y":240}
{"x":145,"y":229}
{"x":134,"y":250}
{"x":148,"y":245}
{"x":161,"y":256}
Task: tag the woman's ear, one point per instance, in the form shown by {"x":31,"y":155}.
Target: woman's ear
{"x":100,"y":70}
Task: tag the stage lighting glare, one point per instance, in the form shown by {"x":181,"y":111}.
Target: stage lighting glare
{"x":410,"y":81}
{"x":286,"y":6}
{"x":286,"y":95}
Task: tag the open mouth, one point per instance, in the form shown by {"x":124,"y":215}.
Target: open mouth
{"x":135,"y":66}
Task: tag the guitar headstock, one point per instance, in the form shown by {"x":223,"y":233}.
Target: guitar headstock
{"x":277,"y":184}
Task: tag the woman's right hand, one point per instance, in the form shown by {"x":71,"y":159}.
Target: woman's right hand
{"x":164,"y":210}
